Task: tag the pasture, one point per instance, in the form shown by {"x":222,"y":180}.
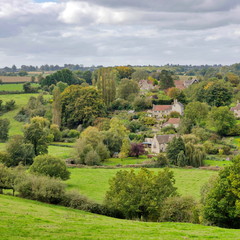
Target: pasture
{"x":21,"y":100}
{"x":26,"y":219}
{"x":15,"y":87}
{"x":93,"y":183}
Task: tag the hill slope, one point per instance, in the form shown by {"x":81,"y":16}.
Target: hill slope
{"x":25,"y":219}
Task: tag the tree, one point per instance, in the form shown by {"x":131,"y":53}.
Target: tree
{"x":19,"y":151}
{"x":136,"y":150}
{"x":64,"y":75}
{"x":81,"y":105}
{"x":222,"y":120}
{"x":181,"y":159}
{"x":174,"y":148}
{"x":140,"y":195}
{"x":4,"y":128}
{"x":56,"y":107}
{"x":142,"y":103}
{"x":38,"y":134}
{"x":125,"y":149}
{"x":106,"y":84}
{"x":140,"y":75}
{"x":50,"y":166}
{"x":125,"y":72}
{"x":92,"y":158}
{"x":128,"y":89}
{"x":55,"y":131}
{"x":166,"y":79}
{"x":221,"y":200}
{"x":196,"y":112}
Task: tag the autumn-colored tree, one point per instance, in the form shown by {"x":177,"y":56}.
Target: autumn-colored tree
{"x":81,"y":105}
{"x":136,"y":150}
{"x":125,"y":72}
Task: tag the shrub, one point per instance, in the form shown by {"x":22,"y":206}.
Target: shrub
{"x":140,"y":195}
{"x":4,"y":128}
{"x":73,"y":133}
{"x":50,"y":166}
{"x":161,"y":160}
{"x":41,"y":188}
{"x":5,"y":158}
{"x":92,"y":158}
{"x":179,"y":209}
{"x":55,"y":131}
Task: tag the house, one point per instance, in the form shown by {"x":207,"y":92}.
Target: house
{"x":179,"y":84}
{"x":236,"y":110}
{"x":145,"y":85}
{"x":159,"y":142}
{"x":147,"y":144}
{"x":160,"y":111}
{"x":188,"y":83}
{"x":175,"y":122}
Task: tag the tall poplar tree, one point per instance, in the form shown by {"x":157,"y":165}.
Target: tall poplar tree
{"x":57,"y":107}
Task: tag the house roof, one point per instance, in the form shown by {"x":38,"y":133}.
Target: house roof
{"x":162,"y":107}
{"x":179,"y":84}
{"x":236,"y":108}
{"x":165,"y":138}
{"x":173,"y":121}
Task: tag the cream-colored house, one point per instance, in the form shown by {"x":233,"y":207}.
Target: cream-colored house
{"x":145,"y":85}
{"x":160,"y":111}
{"x":159,"y":142}
{"x":236,"y":110}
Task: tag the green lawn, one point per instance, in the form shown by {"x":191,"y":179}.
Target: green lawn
{"x":125,"y":161}
{"x":21,"y":100}
{"x":26,"y":219}
{"x":217,"y":163}
{"x":93,"y":183}
{"x":62,"y":152}
{"x":15,"y":87}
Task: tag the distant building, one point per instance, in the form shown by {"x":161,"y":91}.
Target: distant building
{"x":160,"y":111}
{"x":159,"y":142}
{"x":236,"y":110}
{"x":188,"y":83}
{"x":175,"y":122}
{"x":179,"y":84}
{"x":145,"y":85}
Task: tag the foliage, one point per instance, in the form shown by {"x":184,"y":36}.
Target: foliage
{"x":55,"y":131}
{"x":38,"y":134}
{"x":106,"y":84}
{"x":92,"y":158}
{"x":140,"y":195}
{"x":140,"y":75}
{"x":19,"y":151}
{"x":128,"y":89}
{"x":174,"y":148}
{"x":81,"y":105}
{"x":4,"y":129}
{"x":64,"y":75}
{"x":179,"y":209}
{"x":161,"y":160}
{"x":56,"y":107}
{"x":166,"y":79}
{"x":125,"y":72}
{"x":125,"y":149}
{"x":196,"y":112}
{"x":222,"y":120}
{"x":142,"y":103}
{"x":221,"y":205}
{"x":136,"y":150}
{"x":50,"y":166}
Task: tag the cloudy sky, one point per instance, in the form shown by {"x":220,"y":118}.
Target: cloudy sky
{"x":119,"y":32}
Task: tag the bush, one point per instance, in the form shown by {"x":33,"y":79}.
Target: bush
{"x":179,"y":209}
{"x":92,"y":158}
{"x":73,"y":134}
{"x":5,"y":158}
{"x":161,"y":160}
{"x":50,"y":166}
{"x":41,"y":188}
{"x":4,"y":128}
{"x":55,"y":131}
{"x":140,"y":195}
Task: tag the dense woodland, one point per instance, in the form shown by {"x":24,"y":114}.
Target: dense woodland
{"x":105,"y":113}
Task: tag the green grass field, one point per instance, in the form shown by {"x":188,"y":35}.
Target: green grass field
{"x":21,"y":100}
{"x":125,"y":161}
{"x":26,"y":219}
{"x":217,"y":163}
{"x":93,"y":183}
{"x":15,"y":87}
{"x":62,"y":152}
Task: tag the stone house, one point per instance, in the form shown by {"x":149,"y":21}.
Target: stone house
{"x":160,"y":111}
{"x":188,"y":83}
{"x":159,"y":142}
{"x":145,"y":85}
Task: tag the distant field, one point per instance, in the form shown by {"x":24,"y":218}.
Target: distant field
{"x":15,"y":79}
{"x":58,"y":151}
{"x":94,"y":182}
{"x":14,"y":87}
{"x":125,"y":161}
{"x":26,"y":219}
{"x":217,"y":163}
{"x":21,"y":100}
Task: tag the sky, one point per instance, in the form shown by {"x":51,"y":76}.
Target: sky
{"x":119,"y":32}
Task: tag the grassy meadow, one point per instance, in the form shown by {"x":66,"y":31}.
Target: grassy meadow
{"x":21,"y":100}
{"x":93,"y":183}
{"x":15,"y":87}
{"x":26,"y":219}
